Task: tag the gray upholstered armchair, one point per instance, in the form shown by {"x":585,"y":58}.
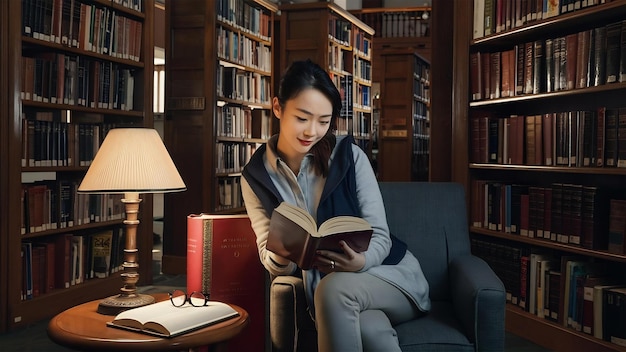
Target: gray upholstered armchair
{"x":468,"y":299}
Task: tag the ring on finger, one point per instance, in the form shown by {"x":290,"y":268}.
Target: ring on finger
{"x":332,"y":264}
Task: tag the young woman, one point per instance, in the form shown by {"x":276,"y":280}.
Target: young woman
{"x":354,"y":298}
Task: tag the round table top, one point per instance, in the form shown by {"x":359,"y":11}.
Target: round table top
{"x":82,"y":327}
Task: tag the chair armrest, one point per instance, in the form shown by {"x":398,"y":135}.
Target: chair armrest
{"x":479,"y":299}
{"x":290,"y":322}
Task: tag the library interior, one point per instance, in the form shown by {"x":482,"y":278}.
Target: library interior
{"x":496,"y":130}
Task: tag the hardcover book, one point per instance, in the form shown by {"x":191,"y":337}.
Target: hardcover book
{"x":223,"y":261}
{"x":293,"y":234}
{"x":166,"y":320}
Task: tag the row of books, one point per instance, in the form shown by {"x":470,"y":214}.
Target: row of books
{"x":574,"y":292}
{"x":238,"y":48}
{"x":573,"y":214}
{"x":584,"y":59}
{"x":421,"y":133}
{"x":362,"y":96}
{"x":242,"y":122}
{"x":246,"y":17}
{"x":398,"y":24}
{"x":495,"y":16}
{"x":345,"y":85}
{"x":420,"y":109}
{"x":237,"y":84}
{"x":91,"y":27}
{"x":69,"y":259}
{"x":340,"y":30}
{"x":421,"y":89}
{"x":233,"y":156}
{"x":51,"y":139}
{"x":136,"y":5}
{"x":362,"y":69}
{"x":76,"y":80}
{"x":56,"y":204}
{"x":360,"y":124}
{"x":570,"y":138}
{"x":362,"y":44}
{"x":229,"y":191}
{"x":339,"y":58}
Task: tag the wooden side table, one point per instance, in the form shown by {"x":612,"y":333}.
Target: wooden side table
{"x":83,"y":328}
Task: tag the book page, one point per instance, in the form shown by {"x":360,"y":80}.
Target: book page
{"x":343,"y":224}
{"x":165,"y":319}
{"x":299,"y":216}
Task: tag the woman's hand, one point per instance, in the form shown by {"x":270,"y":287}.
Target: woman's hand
{"x":349,"y":260}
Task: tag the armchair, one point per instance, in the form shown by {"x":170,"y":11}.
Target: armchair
{"x":468,"y":299}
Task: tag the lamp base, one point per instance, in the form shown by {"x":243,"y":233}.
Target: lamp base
{"x":116,"y":304}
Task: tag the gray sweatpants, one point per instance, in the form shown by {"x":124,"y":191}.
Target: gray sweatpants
{"x":357,"y":311}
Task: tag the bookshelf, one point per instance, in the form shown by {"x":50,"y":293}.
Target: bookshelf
{"x":398,"y":28}
{"x":338,"y":41}
{"x":219,"y":83}
{"x":404,"y":134}
{"x":42,"y":143}
{"x":4,"y":156}
{"x":503,"y":154}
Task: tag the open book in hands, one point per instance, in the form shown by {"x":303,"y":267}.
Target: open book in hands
{"x":165,"y":320}
{"x":294,"y":235}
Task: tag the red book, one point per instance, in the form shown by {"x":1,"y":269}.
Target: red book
{"x":479,"y":134}
{"x":62,"y":260}
{"x":495,"y":75}
{"x":518,"y":127}
{"x":582,"y":58}
{"x":47,"y":266}
{"x":506,"y":68}
{"x":223,"y":260}
{"x":538,"y":140}
{"x":531,"y":140}
{"x":485,"y":66}
{"x":571,"y":41}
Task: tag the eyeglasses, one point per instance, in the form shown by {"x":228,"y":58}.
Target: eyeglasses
{"x":196,"y":299}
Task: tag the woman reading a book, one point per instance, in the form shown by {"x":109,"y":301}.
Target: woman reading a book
{"x":354,"y":298}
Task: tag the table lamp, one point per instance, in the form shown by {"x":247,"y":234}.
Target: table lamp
{"x":131,"y":161}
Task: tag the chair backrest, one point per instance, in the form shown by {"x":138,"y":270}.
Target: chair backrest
{"x":431,"y":217}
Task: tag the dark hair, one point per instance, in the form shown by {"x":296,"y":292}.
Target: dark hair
{"x":301,"y":75}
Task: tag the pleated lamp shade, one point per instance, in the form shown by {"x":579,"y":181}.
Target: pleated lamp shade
{"x":132,"y":160}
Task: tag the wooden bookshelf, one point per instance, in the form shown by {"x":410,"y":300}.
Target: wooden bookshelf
{"x":398,"y":28}
{"x":20,"y":108}
{"x":552,"y":334}
{"x":209,"y":147}
{"x":5,"y":205}
{"x":337,"y":40}
{"x":404,"y":135}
